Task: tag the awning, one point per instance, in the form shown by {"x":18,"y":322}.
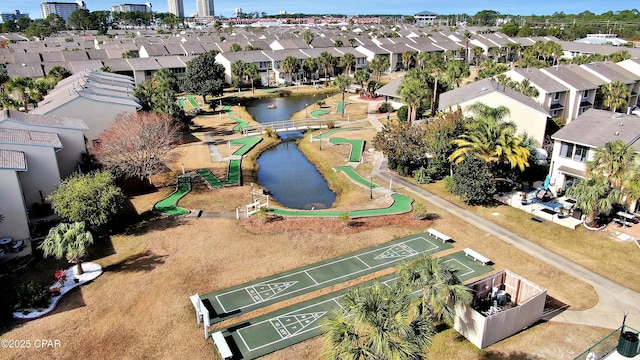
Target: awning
{"x":572,"y":171}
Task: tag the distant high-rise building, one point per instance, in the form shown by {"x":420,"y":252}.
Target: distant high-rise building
{"x":146,"y":7}
{"x":238,"y":12}
{"x":15,"y":15}
{"x":62,"y":9}
{"x":176,"y":7}
{"x":205,"y":8}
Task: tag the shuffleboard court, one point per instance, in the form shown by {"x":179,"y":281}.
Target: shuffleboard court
{"x":233,"y":301}
{"x":291,"y":325}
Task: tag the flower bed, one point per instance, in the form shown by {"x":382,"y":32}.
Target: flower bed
{"x":66,"y":281}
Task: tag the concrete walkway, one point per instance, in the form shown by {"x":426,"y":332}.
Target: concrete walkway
{"x":614,"y":299}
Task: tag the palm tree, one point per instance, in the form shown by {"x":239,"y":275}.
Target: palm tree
{"x":237,"y":69}
{"x":615,"y":95}
{"x":455,"y":71}
{"x":376,"y":322}
{"x":361,"y":76}
{"x":477,"y":53}
{"x":491,"y":139}
{"x":439,"y":285}
{"x":68,"y":240}
{"x":307,"y":36}
{"x":378,"y":65}
{"x":414,"y":92}
{"x":347,"y":62}
{"x":327,"y":62}
{"x":310,"y":66}
{"x":342,"y":82}
{"x":251,"y":72}
{"x":290,"y":65}
{"x":593,"y":195}
{"x":408,"y":58}
{"x":20,"y":89}
{"x":613,"y":162}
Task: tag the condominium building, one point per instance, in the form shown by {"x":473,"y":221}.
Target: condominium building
{"x":62,"y":9}
{"x":15,"y":15}
{"x":146,"y":7}
{"x":176,"y":7}
{"x":205,"y":8}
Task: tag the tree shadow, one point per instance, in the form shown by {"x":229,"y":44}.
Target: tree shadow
{"x":142,"y":262}
{"x":153,"y":223}
{"x":514,"y":355}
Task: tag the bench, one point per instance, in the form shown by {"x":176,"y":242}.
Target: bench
{"x":221,"y":345}
{"x":537,"y":219}
{"x":476,"y":256}
{"x":438,"y":235}
{"x":17,"y":246}
{"x":622,"y":222}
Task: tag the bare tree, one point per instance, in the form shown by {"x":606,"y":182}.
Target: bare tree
{"x":137,"y":144}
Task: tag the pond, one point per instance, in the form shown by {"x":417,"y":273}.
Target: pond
{"x":283,"y":170}
{"x":284,"y":107}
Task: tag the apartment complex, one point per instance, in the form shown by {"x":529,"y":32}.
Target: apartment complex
{"x":62,"y":9}
{"x":176,"y":7}
{"x":146,"y":7}
{"x":205,"y":8}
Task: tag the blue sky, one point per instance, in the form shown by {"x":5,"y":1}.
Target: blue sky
{"x":406,"y":7}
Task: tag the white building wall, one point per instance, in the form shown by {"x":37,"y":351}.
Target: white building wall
{"x":12,"y":206}
{"x":42,"y":175}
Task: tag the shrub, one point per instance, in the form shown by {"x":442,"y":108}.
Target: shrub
{"x":385,"y":107}
{"x":424,"y":175}
{"x":449,"y":184}
{"x":345,"y":218}
{"x":403,"y":113}
{"x":330,"y":124}
{"x":271,"y":133}
{"x":419,"y":211}
{"x":32,"y":295}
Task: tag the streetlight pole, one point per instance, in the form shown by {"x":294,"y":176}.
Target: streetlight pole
{"x":371,"y":186}
{"x":252,"y":201}
{"x":306,"y":111}
{"x":239,"y":115}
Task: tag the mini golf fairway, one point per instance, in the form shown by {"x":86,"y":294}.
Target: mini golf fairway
{"x":318,"y":113}
{"x":169,"y":205}
{"x":356,"y":147}
{"x":401,"y":204}
{"x":247,"y":144}
{"x":353,"y":175}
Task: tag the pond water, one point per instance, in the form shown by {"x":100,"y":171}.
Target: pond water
{"x":283,"y":170}
{"x":285,"y":107}
{"x":291,"y":179}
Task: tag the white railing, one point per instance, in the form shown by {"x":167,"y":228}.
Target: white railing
{"x":286,"y":125}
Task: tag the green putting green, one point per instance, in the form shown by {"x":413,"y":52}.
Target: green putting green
{"x":193,"y":101}
{"x":247,"y":144}
{"x":249,"y":296}
{"x":169,"y":205}
{"x":241,"y":124}
{"x":209,"y":177}
{"x":356,"y":147}
{"x":290,"y":325}
{"x":183,"y":104}
{"x":318,"y":113}
{"x":353,"y":175}
{"x":335,"y":130}
{"x":233,"y":176}
{"x":401,"y":204}
{"x":269,"y":90}
{"x":340,"y":106}
{"x":226,"y":108}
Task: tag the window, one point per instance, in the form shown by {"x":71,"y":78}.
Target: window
{"x":556,"y":96}
{"x":566,"y":150}
{"x":581,"y":154}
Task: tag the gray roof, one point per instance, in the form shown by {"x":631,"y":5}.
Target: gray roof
{"x":574,"y":76}
{"x":612,"y":72}
{"x":424,"y":13}
{"x":78,"y":55}
{"x":541,"y":80}
{"x":27,"y":70}
{"x":595,"y":128}
{"x":391,"y":88}
{"x":144,"y":64}
{"x":43,"y":120}
{"x":481,"y":88}
{"x":26,"y":137}
{"x":12,"y":160}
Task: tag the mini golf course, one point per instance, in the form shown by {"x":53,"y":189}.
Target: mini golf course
{"x":316,"y":114}
{"x":401,"y":204}
{"x":335,"y":130}
{"x":169,"y":205}
{"x":340,"y":106}
{"x":247,"y":144}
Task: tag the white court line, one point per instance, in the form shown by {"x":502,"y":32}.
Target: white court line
{"x":379,"y":250}
{"x":471,"y":271}
{"x":311,"y":277}
{"x":365,"y":264}
{"x":335,"y":299}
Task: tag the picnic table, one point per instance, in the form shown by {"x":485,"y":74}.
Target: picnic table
{"x":627,"y":216}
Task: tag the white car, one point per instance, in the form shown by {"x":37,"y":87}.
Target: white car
{"x":635,"y":111}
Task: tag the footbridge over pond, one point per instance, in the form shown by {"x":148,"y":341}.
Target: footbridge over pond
{"x":284,"y":126}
